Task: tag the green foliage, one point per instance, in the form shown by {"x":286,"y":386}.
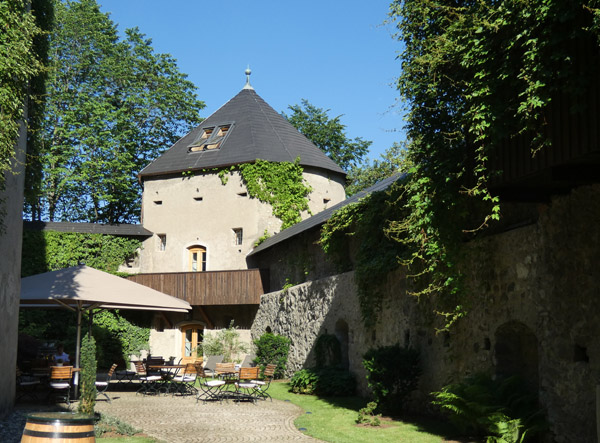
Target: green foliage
{"x":111,"y":424}
{"x":50,"y":250}
{"x":325,"y":382}
{"x":392,"y":374}
{"x":43,"y":251}
{"x":368,"y":173}
{"x":262,"y":238}
{"x":23,"y":56}
{"x":119,"y":337}
{"x":327,"y":134}
{"x":113,"y":106}
{"x":272,"y":349}
{"x":361,"y":227}
{"x":225,"y":342}
{"x":279,"y":184}
{"x":503,"y":410}
{"x":87,"y":382}
{"x":59,"y":326}
{"x":18,"y":64}
{"x":328,"y":351}
{"x":367,"y":415}
{"x":476,"y":75}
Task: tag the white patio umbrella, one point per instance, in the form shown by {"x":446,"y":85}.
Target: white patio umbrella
{"x":82,"y":288}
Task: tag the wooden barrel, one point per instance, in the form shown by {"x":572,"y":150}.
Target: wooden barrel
{"x":58,"y":426}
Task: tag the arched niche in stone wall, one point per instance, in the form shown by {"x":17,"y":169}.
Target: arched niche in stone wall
{"x":516,"y":352}
{"x":341,"y":332}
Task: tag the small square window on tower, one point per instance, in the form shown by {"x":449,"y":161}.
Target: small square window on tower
{"x":162,"y":242}
{"x":238,"y":235}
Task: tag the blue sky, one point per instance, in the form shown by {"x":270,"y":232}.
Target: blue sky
{"x":336,"y":54}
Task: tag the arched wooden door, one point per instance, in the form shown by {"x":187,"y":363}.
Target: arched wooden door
{"x":191,"y":337}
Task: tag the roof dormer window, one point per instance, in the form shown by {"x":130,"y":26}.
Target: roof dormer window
{"x":210,"y":138}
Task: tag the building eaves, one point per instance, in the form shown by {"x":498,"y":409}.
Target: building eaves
{"x":122,"y":229}
{"x":323,"y":216}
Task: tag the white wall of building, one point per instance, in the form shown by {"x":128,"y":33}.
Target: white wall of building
{"x":200,"y":210}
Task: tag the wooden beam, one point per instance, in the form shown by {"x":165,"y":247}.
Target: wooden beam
{"x":205,"y":317}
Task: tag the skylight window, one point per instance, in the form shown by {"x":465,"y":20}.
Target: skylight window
{"x":210,"y":138}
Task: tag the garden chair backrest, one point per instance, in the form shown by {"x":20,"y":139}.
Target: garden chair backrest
{"x":222,"y":368}
{"x":249,"y":373}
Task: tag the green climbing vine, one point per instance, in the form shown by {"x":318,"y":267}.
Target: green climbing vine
{"x":50,"y":250}
{"x":118,"y":333}
{"x":475,"y":76}
{"x":356,"y":237}
{"x":280,"y":184}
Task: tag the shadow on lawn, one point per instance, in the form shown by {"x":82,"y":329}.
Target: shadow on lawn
{"x":423,"y":423}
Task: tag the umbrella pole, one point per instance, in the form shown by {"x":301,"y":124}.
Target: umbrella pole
{"x":77,"y":348}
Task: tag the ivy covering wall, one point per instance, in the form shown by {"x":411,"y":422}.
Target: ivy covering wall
{"x":45,"y":251}
{"x":119,"y":333}
{"x":475,"y":75}
{"x":280,"y":184}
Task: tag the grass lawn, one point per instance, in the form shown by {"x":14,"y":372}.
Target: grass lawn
{"x":127,"y":440}
{"x":334,"y":420}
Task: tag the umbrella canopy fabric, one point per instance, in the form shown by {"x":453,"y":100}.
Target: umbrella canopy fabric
{"x":82,"y":288}
{"x":88,"y":288}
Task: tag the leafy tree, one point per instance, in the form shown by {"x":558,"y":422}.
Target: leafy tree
{"x":368,"y":173}
{"x":21,"y":61}
{"x":328,"y":134}
{"x":225,"y":342}
{"x":113,"y":106}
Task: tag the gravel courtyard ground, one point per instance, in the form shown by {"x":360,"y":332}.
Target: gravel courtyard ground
{"x":180,"y":419}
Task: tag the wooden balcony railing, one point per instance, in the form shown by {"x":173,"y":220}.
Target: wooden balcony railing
{"x":241,"y":287}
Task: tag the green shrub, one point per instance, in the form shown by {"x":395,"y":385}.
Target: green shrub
{"x":503,"y":410}
{"x":326,"y":382}
{"x":367,"y":415}
{"x":225,"y":342}
{"x":272,"y":348}
{"x":87,"y":400}
{"x":111,"y":424}
{"x":392,"y":373}
{"x":328,"y":351}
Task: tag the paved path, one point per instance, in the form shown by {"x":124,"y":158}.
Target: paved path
{"x":181,"y":419}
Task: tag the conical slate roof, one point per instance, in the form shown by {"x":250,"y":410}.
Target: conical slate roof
{"x":255,"y":131}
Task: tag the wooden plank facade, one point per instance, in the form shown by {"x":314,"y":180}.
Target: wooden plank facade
{"x":573,"y":128}
{"x":241,"y":287}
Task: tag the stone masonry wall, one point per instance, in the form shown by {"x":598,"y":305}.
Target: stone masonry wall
{"x":11,"y":203}
{"x":533,"y":308}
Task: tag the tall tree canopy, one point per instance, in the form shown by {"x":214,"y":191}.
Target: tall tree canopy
{"x":19,"y":62}
{"x":328,"y":134}
{"x":113,"y":106}
{"x":369,"y":172}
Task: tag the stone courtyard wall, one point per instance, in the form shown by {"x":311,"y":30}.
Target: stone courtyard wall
{"x":11,"y":206}
{"x":533,"y":303}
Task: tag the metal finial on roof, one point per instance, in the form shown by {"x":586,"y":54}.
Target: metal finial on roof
{"x":248,"y":72}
